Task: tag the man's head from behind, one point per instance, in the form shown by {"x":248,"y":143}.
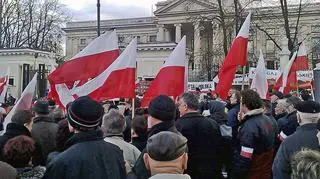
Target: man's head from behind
{"x":113,"y":123}
{"x":166,"y":153}
{"x":161,"y":109}
{"x":84,"y":114}
{"x":308,"y":112}
{"x":41,"y":108}
{"x":250,"y":100}
{"x":187,"y":102}
{"x":23,"y":117}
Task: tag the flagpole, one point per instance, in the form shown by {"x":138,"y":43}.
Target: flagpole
{"x":312,"y":93}
{"x":242,"y":88}
{"x":132,"y":108}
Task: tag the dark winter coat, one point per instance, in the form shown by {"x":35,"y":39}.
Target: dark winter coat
{"x":14,"y":130}
{"x":279,"y":116}
{"x":140,"y":142}
{"x":44,"y":131}
{"x":233,"y":121}
{"x":288,"y":125}
{"x":252,"y":158}
{"x":139,"y":170}
{"x":304,"y":137}
{"x":88,"y":157}
{"x":204,"y":141}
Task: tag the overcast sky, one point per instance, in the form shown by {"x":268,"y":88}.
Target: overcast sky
{"x":110,"y":9}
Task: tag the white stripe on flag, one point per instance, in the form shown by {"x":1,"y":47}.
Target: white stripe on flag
{"x":246,"y":152}
{"x":282,"y":136}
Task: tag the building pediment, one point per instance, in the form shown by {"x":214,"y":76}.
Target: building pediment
{"x":185,"y":6}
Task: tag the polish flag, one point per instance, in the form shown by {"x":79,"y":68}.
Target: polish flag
{"x":4,"y":81}
{"x":288,"y":79}
{"x":302,"y":61}
{"x":260,"y":82}
{"x":25,"y":101}
{"x":87,"y":64}
{"x":172,"y":77}
{"x":117,"y":81}
{"x":237,"y":56}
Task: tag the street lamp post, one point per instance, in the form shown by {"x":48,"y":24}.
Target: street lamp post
{"x":98,"y":16}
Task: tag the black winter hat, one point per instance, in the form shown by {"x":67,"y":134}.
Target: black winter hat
{"x":85,"y":113}
{"x":162,"y":107}
{"x":41,"y":107}
{"x":308,"y":107}
{"x":166,"y":146}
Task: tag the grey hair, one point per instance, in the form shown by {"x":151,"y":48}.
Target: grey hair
{"x":113,"y":123}
{"x":191,"y":100}
{"x":305,"y":164}
{"x":282,"y":103}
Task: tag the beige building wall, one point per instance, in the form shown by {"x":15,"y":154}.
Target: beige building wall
{"x":153,"y":32}
{"x":15,"y":58}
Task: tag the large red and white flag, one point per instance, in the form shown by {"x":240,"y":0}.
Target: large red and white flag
{"x":25,"y":101}
{"x":4,"y":81}
{"x":287,"y":81}
{"x":117,"y":81}
{"x":237,"y":56}
{"x":302,"y":60}
{"x":172,"y":77}
{"x":259,"y":81}
{"x":87,"y":64}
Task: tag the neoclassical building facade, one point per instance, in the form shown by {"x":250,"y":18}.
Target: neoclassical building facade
{"x":198,"y":20}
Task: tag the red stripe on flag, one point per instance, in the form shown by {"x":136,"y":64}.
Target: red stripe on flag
{"x":169,"y":81}
{"x":84,"y":67}
{"x":237,"y":56}
{"x":301,"y":63}
{"x":119,"y":84}
{"x":246,"y":154}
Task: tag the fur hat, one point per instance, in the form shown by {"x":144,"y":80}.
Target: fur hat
{"x":85,"y":113}
{"x":162,"y":108}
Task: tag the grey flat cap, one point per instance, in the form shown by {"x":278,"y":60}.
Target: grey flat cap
{"x":166,"y":146}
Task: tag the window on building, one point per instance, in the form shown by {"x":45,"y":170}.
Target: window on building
{"x":121,"y":39}
{"x":138,"y":39}
{"x":270,"y":31}
{"x":82,"y":41}
{"x":270,"y":64}
{"x":315,"y":28}
{"x":270,"y":46}
{"x":153,"y":38}
{"x":315,"y":41}
{"x":250,"y":46}
{"x":11,"y":81}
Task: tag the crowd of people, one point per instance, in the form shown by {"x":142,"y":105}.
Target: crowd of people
{"x":196,"y":136}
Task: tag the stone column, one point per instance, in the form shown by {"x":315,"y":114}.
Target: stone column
{"x":178,"y":32}
{"x":215,"y":31}
{"x":284,"y":54}
{"x":167,"y":35}
{"x":160,"y":34}
{"x":197,"y":47}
